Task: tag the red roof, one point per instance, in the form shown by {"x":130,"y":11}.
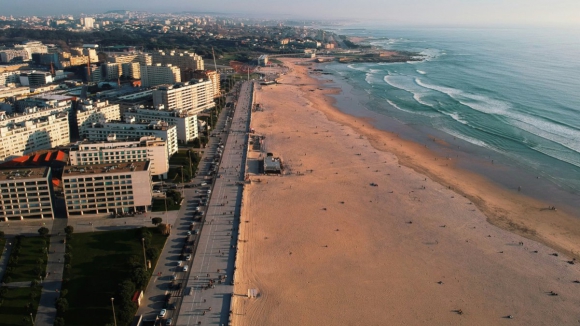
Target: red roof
{"x":55,"y":182}
{"x":36,"y":158}
{"x":60,"y":156}
{"x":21,"y":159}
{"x":47,"y":157}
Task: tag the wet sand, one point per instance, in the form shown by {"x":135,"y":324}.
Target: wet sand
{"x":324,"y":246}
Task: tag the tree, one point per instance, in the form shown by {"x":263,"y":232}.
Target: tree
{"x":1,"y":234}
{"x":152,"y":253}
{"x":43,"y":231}
{"x":140,"y":277}
{"x":156,"y":220}
{"x":61,"y":305}
{"x":59,"y":321}
{"x":126,"y":290}
{"x":69,"y":229}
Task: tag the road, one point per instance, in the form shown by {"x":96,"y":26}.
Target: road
{"x":211,"y":278}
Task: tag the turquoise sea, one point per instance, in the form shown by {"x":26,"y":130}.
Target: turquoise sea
{"x":507,"y":95}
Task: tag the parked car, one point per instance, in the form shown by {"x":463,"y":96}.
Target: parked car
{"x":162,"y":313}
{"x":185,"y":268}
{"x":188,"y":258}
{"x":168,"y":322}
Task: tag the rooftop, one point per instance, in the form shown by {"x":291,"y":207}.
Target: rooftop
{"x":23,"y":173}
{"x":105,"y":168}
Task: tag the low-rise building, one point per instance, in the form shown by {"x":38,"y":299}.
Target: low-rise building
{"x":13,"y":91}
{"x":146,"y":149}
{"x":25,"y":193}
{"x":131,"y":130}
{"x":107,"y":189}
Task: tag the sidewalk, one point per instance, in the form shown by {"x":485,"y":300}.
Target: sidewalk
{"x":46,"y":313}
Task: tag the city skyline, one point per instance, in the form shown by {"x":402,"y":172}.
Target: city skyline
{"x":416,"y":12}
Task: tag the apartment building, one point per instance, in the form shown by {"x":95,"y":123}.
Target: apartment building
{"x":184,"y":120}
{"x":131,"y":70}
{"x":146,"y":149}
{"x":193,"y":96}
{"x":158,"y":75}
{"x":13,"y":55}
{"x":112,"y":71}
{"x":13,"y":91}
{"x":35,"y":78}
{"x":107,"y":189}
{"x":32,"y":47}
{"x":131,"y":130}
{"x":25,"y":193}
{"x":90,"y":112}
{"x":210,"y":75}
{"x":183,"y":60}
{"x":143,"y":59}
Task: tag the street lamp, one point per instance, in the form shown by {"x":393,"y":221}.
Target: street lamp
{"x":144,"y":257}
{"x":114,"y":317}
{"x":32,"y":319}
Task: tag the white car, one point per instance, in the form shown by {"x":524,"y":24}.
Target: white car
{"x":179,"y":263}
{"x":185,"y":268}
{"x":188,"y":258}
{"x":162,"y":313}
{"x":209,"y":191}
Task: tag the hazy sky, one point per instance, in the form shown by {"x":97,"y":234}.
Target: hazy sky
{"x":399,"y":12}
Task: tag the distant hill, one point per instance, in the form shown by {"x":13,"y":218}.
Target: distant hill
{"x":121,"y":12}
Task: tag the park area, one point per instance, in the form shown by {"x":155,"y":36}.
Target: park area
{"x":105,"y":265}
{"x":19,"y":305}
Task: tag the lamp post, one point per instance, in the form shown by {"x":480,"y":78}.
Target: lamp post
{"x":32,"y":319}
{"x":114,"y":317}
{"x":144,"y":257}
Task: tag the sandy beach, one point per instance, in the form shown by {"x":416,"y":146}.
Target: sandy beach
{"x":364,"y":228}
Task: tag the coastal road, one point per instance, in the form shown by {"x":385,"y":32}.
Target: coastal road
{"x":210,"y":283}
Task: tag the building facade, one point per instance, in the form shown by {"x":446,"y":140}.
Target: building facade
{"x":90,"y":112}
{"x":130,"y":130}
{"x":158,"y":75}
{"x":210,"y":75}
{"x":184,"y":120}
{"x":25,"y":194}
{"x":146,"y":149}
{"x":194,"y":97}
{"x":183,"y":60}
{"x":107,"y":189}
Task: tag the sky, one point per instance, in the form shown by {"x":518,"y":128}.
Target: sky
{"x":395,"y":12}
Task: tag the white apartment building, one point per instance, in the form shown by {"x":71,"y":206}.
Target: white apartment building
{"x":107,"y":189}
{"x":131,"y":70}
{"x":90,"y":112}
{"x":13,"y":91}
{"x":184,"y":120}
{"x":9,"y":77}
{"x":183,"y":60}
{"x":88,"y":22}
{"x":130,"y":130}
{"x":194,"y":97}
{"x":146,"y":149}
{"x":158,"y":75}
{"x":143,"y":59}
{"x":23,"y":134}
{"x":25,"y":194}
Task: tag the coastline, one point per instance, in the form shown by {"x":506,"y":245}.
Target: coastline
{"x":322,"y":244}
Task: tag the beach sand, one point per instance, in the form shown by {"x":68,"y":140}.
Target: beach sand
{"x":323,"y":246}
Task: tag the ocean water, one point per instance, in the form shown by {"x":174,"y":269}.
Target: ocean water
{"x":511,"y":95}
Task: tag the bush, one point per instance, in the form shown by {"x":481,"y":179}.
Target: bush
{"x":43,"y":231}
{"x":61,"y":305}
{"x":156,"y":220}
{"x":152,"y":253}
{"x":69,"y":230}
{"x":63,"y":293}
{"x":59,"y":321}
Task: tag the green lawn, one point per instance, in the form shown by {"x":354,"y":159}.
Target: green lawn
{"x":159,"y":205}
{"x":32,"y":249}
{"x":99,"y":264}
{"x":14,"y":310}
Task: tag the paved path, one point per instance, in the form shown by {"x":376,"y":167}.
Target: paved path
{"x":211,"y":278}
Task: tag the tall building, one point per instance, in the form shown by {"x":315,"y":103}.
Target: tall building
{"x":131,"y":70}
{"x":146,"y":149}
{"x":22,"y":135}
{"x":88,"y":22}
{"x":183,"y":60}
{"x":193,"y":96}
{"x":184,"y":120}
{"x":158,"y":75}
{"x":107,"y":189}
{"x":94,"y":74}
{"x":143,"y":59}
{"x":211,"y":75}
{"x":90,"y":112}
{"x":130,"y":130}
{"x":26,"y":193}
{"x":112,"y":71}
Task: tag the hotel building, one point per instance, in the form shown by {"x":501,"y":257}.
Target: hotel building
{"x":25,"y":194}
{"x":106,"y":189}
{"x":146,"y":149}
{"x":193,"y":96}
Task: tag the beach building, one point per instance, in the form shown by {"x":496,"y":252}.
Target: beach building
{"x":107,"y":189}
{"x":111,"y":152}
{"x":184,"y":120}
{"x":131,"y":130}
{"x":158,"y":75}
{"x":194,"y":96}
{"x":26,"y":193}
{"x":90,"y":112}
{"x":272,"y":164}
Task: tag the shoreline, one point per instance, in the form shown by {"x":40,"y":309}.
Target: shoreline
{"x":526,"y":220}
{"x":348,"y":230}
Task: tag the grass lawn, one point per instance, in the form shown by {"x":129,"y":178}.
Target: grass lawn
{"x":99,"y":264}
{"x":2,"y":244}
{"x":32,"y":248}
{"x":159,"y":205}
{"x":13,"y":310}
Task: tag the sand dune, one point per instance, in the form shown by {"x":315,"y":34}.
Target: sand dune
{"x":325,"y":247}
